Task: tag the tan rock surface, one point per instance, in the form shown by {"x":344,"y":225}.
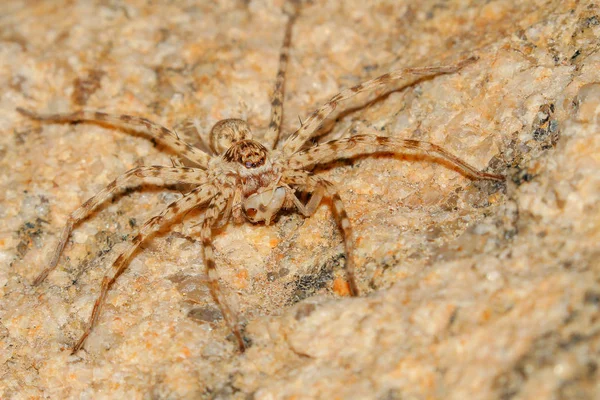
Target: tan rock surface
{"x":471,"y":290}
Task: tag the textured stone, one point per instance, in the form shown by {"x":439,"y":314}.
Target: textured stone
{"x":470,"y":289}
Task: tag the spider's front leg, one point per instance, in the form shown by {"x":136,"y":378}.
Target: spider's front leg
{"x":312,"y":123}
{"x":143,"y":125}
{"x":371,"y":144}
{"x":133,"y":176}
{"x":196,"y":198}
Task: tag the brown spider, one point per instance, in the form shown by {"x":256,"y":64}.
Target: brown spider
{"x":244,"y":178}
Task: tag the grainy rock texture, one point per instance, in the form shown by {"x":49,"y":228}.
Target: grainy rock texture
{"x":471,"y":290}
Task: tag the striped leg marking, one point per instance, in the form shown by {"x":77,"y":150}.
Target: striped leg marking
{"x":133,"y":176}
{"x":152,"y":129}
{"x":319,"y":187}
{"x":272,"y":135}
{"x":369,"y":144}
{"x":312,"y":123}
{"x":193,"y":199}
{"x":211,"y":219}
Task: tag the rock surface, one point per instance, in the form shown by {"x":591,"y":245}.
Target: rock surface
{"x":470,"y":289}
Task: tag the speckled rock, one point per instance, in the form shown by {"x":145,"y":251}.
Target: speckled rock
{"x":470,"y":289}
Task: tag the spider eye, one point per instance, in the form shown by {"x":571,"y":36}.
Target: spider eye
{"x":251,"y":212}
{"x":249,"y":164}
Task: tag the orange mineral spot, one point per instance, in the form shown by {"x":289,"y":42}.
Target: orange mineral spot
{"x":241,"y":279}
{"x":486,"y":315}
{"x":341,"y":287}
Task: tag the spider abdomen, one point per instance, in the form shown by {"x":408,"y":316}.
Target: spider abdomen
{"x":227,"y":132}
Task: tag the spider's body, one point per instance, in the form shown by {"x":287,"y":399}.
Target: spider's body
{"x":244,"y":178}
{"x":249,"y":169}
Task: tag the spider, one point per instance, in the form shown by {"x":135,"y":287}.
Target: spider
{"x":244,"y":178}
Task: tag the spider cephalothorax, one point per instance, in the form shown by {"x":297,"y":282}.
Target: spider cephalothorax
{"x":244,"y":176}
{"x":249,"y":153}
{"x":257,"y":180}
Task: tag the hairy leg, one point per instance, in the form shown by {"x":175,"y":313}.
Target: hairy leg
{"x":316,"y":196}
{"x":143,"y":125}
{"x":134,"y":176}
{"x":196,"y":198}
{"x":320,"y":188}
{"x":211,"y":220}
{"x":312,"y":123}
{"x":369,"y":144}
{"x":272,"y":135}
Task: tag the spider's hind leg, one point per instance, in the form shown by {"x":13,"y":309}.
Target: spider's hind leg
{"x":272,"y":134}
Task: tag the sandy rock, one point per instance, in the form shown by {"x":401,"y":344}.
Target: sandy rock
{"x":472,"y":290}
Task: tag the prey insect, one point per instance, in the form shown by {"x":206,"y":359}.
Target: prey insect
{"x":244,"y":179}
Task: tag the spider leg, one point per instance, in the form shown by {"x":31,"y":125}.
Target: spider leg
{"x":189,"y":128}
{"x":211,"y":219}
{"x":139,"y":124}
{"x":369,"y":144}
{"x":272,"y":134}
{"x":193,"y":199}
{"x":233,"y":209}
{"x":320,"y":188}
{"x":315,"y":200}
{"x":140,"y":174}
{"x":312,"y":123}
